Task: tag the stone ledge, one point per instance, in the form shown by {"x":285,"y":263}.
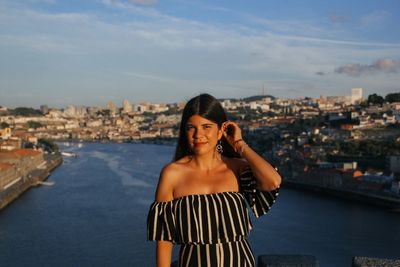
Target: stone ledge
{"x":375,"y":262}
{"x":287,"y":261}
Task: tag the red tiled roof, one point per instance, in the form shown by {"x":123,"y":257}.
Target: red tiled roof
{"x":4,"y":166}
{"x":18,"y":153}
{"x":26,"y":152}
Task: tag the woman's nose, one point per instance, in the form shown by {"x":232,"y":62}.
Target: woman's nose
{"x":197,"y":133}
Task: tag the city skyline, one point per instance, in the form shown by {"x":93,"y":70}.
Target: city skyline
{"x":88,"y":53}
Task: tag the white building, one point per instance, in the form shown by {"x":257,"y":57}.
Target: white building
{"x":356,"y":95}
{"x":126,"y":106}
{"x":113,"y":109}
{"x":74,"y":111}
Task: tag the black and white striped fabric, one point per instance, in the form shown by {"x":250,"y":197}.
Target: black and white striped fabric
{"x":211,"y":228}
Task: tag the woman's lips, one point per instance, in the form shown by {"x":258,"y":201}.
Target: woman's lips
{"x":200,"y":143}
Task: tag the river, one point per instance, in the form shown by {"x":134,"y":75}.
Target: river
{"x":95,"y":215}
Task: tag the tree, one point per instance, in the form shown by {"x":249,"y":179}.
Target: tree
{"x":375,"y":99}
{"x":393,"y":97}
{"x":34,"y":124}
{"x":26,"y":112}
{"x":4,"y":125}
{"x":48,"y":145}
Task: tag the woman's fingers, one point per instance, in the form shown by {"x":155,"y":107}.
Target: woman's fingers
{"x":231,"y":132}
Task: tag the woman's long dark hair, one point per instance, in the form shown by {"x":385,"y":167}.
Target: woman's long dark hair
{"x":207,"y":107}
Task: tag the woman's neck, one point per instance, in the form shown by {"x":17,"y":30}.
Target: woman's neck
{"x":207,"y":162}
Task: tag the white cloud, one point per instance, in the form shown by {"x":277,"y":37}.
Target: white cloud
{"x":385,"y":65}
{"x":148,"y":49}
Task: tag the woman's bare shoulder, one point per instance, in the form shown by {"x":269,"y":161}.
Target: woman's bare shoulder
{"x":169,"y":177}
{"x":173,"y":169}
{"x":237,"y":165}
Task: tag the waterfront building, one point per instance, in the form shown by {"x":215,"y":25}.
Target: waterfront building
{"x":8,"y":173}
{"x":395,"y":188}
{"x":11,"y":143}
{"x":18,"y":163}
{"x":394,"y":163}
{"x":26,"y":159}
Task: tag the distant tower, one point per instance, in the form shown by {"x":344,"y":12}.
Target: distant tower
{"x":126,"y":106}
{"x":111,"y":107}
{"x":70,"y":111}
{"x":44,"y":109}
{"x":356,"y":95}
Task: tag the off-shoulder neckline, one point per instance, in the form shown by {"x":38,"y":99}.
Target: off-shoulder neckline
{"x":194,"y":195}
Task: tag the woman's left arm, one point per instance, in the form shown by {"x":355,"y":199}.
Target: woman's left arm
{"x":267,"y":177}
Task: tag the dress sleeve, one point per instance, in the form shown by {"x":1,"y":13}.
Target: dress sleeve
{"x":160,"y":221}
{"x":260,"y":202}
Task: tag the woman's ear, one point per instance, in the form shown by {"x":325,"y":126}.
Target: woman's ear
{"x":220,"y":134}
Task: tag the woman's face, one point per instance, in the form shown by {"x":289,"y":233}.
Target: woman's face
{"x":202,"y":134}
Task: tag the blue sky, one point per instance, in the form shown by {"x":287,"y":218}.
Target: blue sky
{"x":89,"y":52}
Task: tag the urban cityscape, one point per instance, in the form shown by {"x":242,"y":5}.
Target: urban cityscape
{"x":346,"y":146}
{"x":91,"y":98}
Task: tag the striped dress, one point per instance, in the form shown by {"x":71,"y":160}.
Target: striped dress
{"x":212,"y":229}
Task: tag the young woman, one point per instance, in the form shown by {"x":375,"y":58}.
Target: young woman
{"x":201,"y":195}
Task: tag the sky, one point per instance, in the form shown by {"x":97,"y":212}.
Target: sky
{"x":90,"y":52}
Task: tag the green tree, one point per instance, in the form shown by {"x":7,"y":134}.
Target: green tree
{"x":34,"y":124}
{"x":26,"y":112}
{"x":375,"y":99}
{"x":48,"y":145}
{"x":393,"y":97}
{"x":4,"y":125}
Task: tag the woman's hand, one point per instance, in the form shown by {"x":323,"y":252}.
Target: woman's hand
{"x":267,"y":177}
{"x":232,"y":134}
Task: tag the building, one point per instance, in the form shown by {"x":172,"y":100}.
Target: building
{"x":356,"y":95}
{"x":8,"y":175}
{"x":127,"y":108}
{"x":74,"y":111}
{"x":11,"y":143}
{"x":44,"y":109}
{"x":394,"y":163}
{"x":5,"y":133}
{"x":113,"y":109}
{"x":18,"y":163}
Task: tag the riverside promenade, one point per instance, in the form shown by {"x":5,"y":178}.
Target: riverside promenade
{"x":390,"y":203}
{"x":33,"y":178}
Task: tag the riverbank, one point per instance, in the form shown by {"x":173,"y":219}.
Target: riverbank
{"x":152,"y":141}
{"x":390,"y":203}
{"x":34,"y":178}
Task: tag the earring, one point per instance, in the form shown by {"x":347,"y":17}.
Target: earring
{"x":219,"y":147}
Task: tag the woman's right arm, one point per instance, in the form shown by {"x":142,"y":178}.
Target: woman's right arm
{"x":165,"y":193}
{"x":164,"y":253}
